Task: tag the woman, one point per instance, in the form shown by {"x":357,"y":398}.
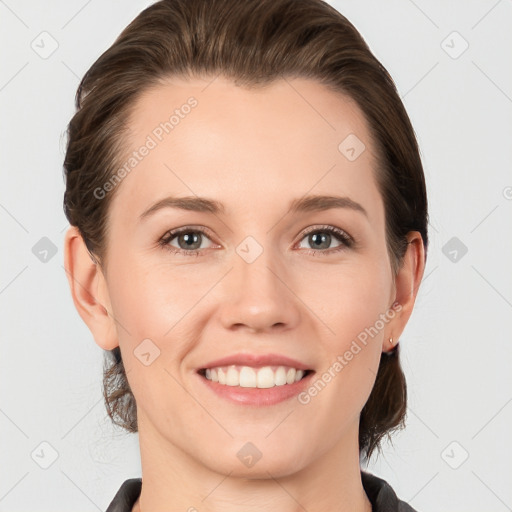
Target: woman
{"x":264,"y":139}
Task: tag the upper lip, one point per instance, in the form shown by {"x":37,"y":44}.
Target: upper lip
{"x":257,"y":361}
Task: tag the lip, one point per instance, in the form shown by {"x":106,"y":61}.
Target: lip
{"x":256,"y":361}
{"x":258,"y":397}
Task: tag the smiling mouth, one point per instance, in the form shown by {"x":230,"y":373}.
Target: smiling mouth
{"x":251,"y":377}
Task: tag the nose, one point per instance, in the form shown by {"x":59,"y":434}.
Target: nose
{"x":258,"y":296}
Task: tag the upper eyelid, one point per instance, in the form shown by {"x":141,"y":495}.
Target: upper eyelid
{"x":186,"y":229}
{"x":327,"y":227}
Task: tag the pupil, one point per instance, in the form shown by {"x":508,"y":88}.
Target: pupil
{"x":322,"y":238}
{"x":190,"y":239}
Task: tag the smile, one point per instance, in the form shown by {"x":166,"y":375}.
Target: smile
{"x":250,"y":377}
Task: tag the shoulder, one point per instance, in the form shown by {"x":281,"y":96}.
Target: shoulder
{"x":382,"y":496}
{"x":126,"y":496}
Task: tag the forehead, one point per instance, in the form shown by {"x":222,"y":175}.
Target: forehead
{"x":210,"y":137}
{"x":292,"y":108}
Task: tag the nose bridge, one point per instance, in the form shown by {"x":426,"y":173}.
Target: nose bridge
{"x":256,"y":293}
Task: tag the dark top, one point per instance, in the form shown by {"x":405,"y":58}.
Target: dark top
{"x":379,"y":492}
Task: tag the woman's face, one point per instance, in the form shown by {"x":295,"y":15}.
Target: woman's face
{"x":255,"y":271}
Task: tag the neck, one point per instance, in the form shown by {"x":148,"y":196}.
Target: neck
{"x":331,"y":481}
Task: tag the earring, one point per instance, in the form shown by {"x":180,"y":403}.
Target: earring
{"x":391,"y":340}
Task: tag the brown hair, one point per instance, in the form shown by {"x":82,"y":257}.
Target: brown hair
{"x":252,"y":42}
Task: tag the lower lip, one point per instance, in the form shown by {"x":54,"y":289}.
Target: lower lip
{"x":257,"y":396}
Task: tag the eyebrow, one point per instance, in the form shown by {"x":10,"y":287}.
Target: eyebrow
{"x":191,"y":203}
{"x":318,"y":203}
{"x":312,"y":203}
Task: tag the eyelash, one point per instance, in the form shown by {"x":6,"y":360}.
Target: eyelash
{"x":346,"y":240}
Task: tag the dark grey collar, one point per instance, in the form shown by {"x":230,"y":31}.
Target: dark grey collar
{"x":379,"y":492}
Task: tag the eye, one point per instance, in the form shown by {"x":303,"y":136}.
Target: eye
{"x":321,"y":238}
{"x":187,"y":241}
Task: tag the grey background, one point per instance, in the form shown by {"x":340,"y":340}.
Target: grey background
{"x":455,"y":453}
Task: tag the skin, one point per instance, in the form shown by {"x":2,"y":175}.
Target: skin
{"x":254,"y":150}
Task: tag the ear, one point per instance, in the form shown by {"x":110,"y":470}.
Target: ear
{"x":89,"y":290}
{"x":407,"y":282}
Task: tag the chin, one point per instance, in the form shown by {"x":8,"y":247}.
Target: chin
{"x":257,"y":459}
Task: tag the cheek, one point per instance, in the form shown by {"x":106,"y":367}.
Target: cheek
{"x":348,"y":298}
{"x":350,"y":303}
{"x":158,"y":309}
{"x":138,"y":297}
{"x":150,"y":298}
{"x":150,"y":306}
{"x":158,"y":301}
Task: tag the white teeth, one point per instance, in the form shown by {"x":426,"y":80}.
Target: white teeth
{"x":232,"y":377}
{"x":280,"y":376}
{"x":247,"y":377}
{"x":266,"y":378}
